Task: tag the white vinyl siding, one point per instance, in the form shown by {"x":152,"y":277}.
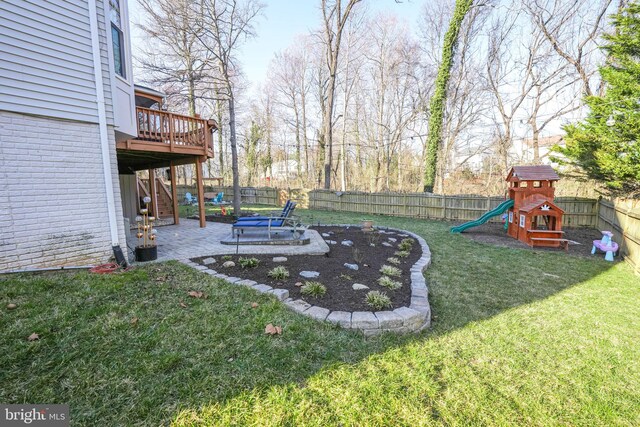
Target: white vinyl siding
{"x":46,"y":65}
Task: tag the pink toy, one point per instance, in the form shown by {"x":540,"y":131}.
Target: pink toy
{"x":605,"y":245}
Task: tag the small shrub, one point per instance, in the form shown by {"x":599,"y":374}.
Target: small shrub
{"x":313,"y":289}
{"x":227,"y":257}
{"x":393,"y":260}
{"x":377,"y":300}
{"x":346,"y":277}
{"x":389,"y":270}
{"x":406,"y":244}
{"x":248,"y":262}
{"x":279,"y":273}
{"x":358,"y":256}
{"x":389,"y":283}
{"x":401,"y":254}
{"x":373,"y":239}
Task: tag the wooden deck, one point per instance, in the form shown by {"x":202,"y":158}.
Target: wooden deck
{"x":170,"y":133}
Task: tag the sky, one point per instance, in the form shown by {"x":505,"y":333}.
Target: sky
{"x":281,"y":22}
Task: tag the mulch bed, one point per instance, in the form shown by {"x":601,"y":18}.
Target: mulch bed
{"x":494,"y":234}
{"x":337,"y":278}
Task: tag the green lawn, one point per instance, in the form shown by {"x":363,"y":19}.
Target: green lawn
{"x":518,"y":338}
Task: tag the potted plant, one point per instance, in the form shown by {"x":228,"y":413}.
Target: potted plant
{"x":367,"y":225}
{"x":147,"y":250}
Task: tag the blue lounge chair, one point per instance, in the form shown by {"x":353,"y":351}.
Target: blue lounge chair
{"x":286,"y":210}
{"x":190,"y":200}
{"x":218,"y":199}
{"x":273,"y":225}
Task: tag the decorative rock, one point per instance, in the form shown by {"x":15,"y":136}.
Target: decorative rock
{"x":342,"y":318}
{"x":317,"y":313}
{"x":279,"y":259}
{"x":200,"y":267}
{"x":347,"y":243}
{"x":387,"y":244}
{"x":262,"y":288}
{"x":352,"y":266}
{"x":309,"y":274}
{"x":359,"y":287}
{"x":247,"y":282}
{"x":209,"y":260}
{"x":364,"y":320}
{"x":233,"y":279}
{"x":298,"y":284}
{"x":331,"y":242}
{"x":11,"y":306}
{"x":229,"y":264}
{"x":392,"y":239}
{"x":326,"y":235}
{"x":403,"y":235}
{"x":281,"y":294}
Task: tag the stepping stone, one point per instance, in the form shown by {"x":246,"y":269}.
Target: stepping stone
{"x":309,"y":274}
{"x":348,"y":243}
{"x":279,"y":259}
{"x":209,"y":261}
{"x":387,"y":244}
{"x":229,"y":264}
{"x":351,"y":266}
{"x":392,"y":239}
{"x":359,"y":287}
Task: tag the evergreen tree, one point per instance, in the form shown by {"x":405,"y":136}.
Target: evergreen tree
{"x":605,"y":145}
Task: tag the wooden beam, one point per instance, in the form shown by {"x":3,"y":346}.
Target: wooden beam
{"x":174,"y":194}
{"x":200,"y":184}
{"x":152,"y":193}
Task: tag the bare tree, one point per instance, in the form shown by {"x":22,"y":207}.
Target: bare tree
{"x":334,"y":20}
{"x":221,"y":26}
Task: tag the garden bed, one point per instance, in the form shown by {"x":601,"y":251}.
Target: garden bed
{"x":367,"y":251}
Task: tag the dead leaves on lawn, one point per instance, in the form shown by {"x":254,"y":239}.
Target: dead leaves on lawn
{"x":11,"y":306}
{"x":254,"y":305}
{"x":272,"y":330}
{"x":197,"y":294}
{"x":33,"y":337}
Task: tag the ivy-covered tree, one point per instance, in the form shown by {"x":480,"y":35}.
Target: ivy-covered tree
{"x":605,"y":144}
{"x":439,"y":97}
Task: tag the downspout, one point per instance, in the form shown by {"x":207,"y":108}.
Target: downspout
{"x":102,"y":122}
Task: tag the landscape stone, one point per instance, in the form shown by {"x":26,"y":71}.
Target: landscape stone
{"x":298,"y":305}
{"x":352,"y":266}
{"x":309,"y":274}
{"x":317,"y":313}
{"x":281,"y":294}
{"x":246,"y":282}
{"x":209,"y":260}
{"x":331,"y":242}
{"x":342,"y":318}
{"x":364,"y":320}
{"x":326,"y":235}
{"x":392,"y":239}
{"x":387,"y":244}
{"x":359,"y":287}
{"x":279,"y":259}
{"x":262,"y":288}
{"x":389,"y":319}
{"x":229,"y":264}
{"x":347,"y":243}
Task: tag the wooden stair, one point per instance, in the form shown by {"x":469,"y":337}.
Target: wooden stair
{"x":163,"y":197}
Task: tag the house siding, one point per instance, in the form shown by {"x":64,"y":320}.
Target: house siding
{"x":46,"y":64}
{"x":53,"y":209}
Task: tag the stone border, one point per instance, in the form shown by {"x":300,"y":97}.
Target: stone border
{"x":401,"y":320}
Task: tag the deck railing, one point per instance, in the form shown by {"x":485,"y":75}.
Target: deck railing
{"x":173,"y":130}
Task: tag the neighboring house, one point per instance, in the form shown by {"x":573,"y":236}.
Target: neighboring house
{"x":521,"y":152}
{"x":71,"y":135}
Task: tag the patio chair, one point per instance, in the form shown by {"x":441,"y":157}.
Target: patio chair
{"x":273,"y":225}
{"x":189,"y":199}
{"x":286,"y":210}
{"x":218,"y":199}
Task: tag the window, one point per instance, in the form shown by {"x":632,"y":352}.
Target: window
{"x":537,"y":184}
{"x":117,"y":37}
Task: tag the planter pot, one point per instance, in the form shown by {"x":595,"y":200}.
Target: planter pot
{"x":367,"y":225}
{"x":146,"y":253}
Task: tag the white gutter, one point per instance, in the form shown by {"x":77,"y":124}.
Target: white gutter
{"x":102,"y":122}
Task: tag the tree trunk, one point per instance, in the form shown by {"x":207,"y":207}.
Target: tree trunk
{"x":234,"y":155}
{"x":439,"y":97}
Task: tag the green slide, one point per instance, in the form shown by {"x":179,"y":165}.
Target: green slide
{"x":484,"y":218}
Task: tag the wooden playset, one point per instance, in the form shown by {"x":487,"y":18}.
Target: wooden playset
{"x":534,"y":218}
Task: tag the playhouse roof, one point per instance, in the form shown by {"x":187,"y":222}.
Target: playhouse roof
{"x":536,"y":201}
{"x":532,"y":173}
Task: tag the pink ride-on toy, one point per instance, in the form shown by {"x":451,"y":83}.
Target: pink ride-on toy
{"x":606,"y":245}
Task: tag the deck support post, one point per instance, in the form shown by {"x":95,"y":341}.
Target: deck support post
{"x":174,"y":194}
{"x":152,"y":193}
{"x":200,"y":184}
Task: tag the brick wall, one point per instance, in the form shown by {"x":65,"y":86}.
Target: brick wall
{"x":53,"y":209}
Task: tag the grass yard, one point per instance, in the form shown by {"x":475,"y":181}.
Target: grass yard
{"x":518,"y":338}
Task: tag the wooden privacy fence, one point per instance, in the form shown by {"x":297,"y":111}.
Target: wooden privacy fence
{"x":578,"y":212}
{"x":251,"y":195}
{"x":622,"y":217}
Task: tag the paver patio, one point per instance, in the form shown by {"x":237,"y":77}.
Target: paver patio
{"x":188,"y":240}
